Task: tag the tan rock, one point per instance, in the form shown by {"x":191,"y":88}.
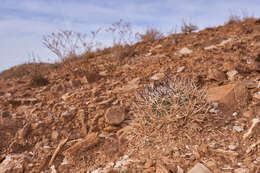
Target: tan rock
{"x":148,"y":163}
{"x":115,"y":115}
{"x":160,"y":168}
{"x":241,"y":170}
{"x":76,"y":150}
{"x":55,"y":135}
{"x":257,"y":95}
{"x":157,"y":76}
{"x":12,"y":164}
{"x":210,"y":47}
{"x":199,"y":168}
{"x":231,"y":95}
{"x":75,"y":83}
{"x":185,"y":51}
{"x":231,"y":74}
{"x":216,"y":75}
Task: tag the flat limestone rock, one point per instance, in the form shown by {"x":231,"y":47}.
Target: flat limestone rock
{"x":76,"y":150}
{"x":199,"y":168}
{"x":231,"y":95}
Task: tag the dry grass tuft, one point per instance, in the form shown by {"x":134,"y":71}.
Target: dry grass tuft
{"x":150,"y":35}
{"x":37,"y":77}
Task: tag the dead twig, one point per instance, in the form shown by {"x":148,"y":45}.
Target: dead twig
{"x":62,"y":142}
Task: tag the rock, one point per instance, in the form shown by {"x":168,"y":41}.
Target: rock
{"x":232,"y":147}
{"x":53,"y":170}
{"x":225,"y":42}
{"x":257,"y":95}
{"x":210,"y":47}
{"x":180,"y":69}
{"x":185,"y":51}
{"x":217,"y":75}
{"x":75,"y":83}
{"x":231,"y":74}
{"x":160,"y":168}
{"x":235,"y":114}
{"x":238,"y":128}
{"x":232,"y":95}
{"x":103,"y":73}
{"x":93,"y":77}
{"x":12,"y":164}
{"x":54,"y":135}
{"x":199,"y":168}
{"x":241,"y":170}
{"x":255,"y":122}
{"x":249,"y":113}
{"x":148,"y":163}
{"x":115,"y":115}
{"x":157,"y":76}
{"x":76,"y":150}
{"x":131,"y":85}
{"x":179,"y":170}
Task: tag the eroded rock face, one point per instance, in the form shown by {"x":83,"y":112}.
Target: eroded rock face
{"x":115,"y":115}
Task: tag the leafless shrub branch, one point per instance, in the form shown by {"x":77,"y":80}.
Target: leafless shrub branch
{"x":188,"y":27}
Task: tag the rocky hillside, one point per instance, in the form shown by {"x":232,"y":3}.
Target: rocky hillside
{"x":185,"y":103}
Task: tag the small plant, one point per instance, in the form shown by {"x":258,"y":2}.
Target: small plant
{"x":36,"y":75}
{"x":66,"y":43}
{"x":188,"y":27}
{"x":121,"y":32}
{"x":234,"y":19}
{"x":178,"y":97}
{"x":150,"y":35}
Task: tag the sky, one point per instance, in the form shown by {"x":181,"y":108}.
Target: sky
{"x":23,"y":23}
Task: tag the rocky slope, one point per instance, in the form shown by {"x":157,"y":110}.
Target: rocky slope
{"x":95,"y":115}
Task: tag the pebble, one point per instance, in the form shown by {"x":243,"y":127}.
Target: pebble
{"x":185,"y":51}
{"x":238,"y":128}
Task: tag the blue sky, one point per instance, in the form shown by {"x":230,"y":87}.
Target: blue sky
{"x":24,"y":22}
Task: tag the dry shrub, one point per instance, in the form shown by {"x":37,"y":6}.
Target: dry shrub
{"x":36,"y":73}
{"x":64,"y":43}
{"x":238,"y":18}
{"x":168,"y":114}
{"x":178,"y":97}
{"x":150,"y":35}
{"x":234,"y":19}
{"x":122,"y":51}
{"x":37,"y":79}
{"x":188,"y":27}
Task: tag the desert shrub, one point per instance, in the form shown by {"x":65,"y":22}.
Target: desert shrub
{"x":121,"y":51}
{"x":234,"y":19}
{"x":188,"y":27}
{"x":150,"y":35}
{"x":37,"y":72}
{"x":179,"y":98}
{"x":37,"y":78}
{"x":66,"y":43}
